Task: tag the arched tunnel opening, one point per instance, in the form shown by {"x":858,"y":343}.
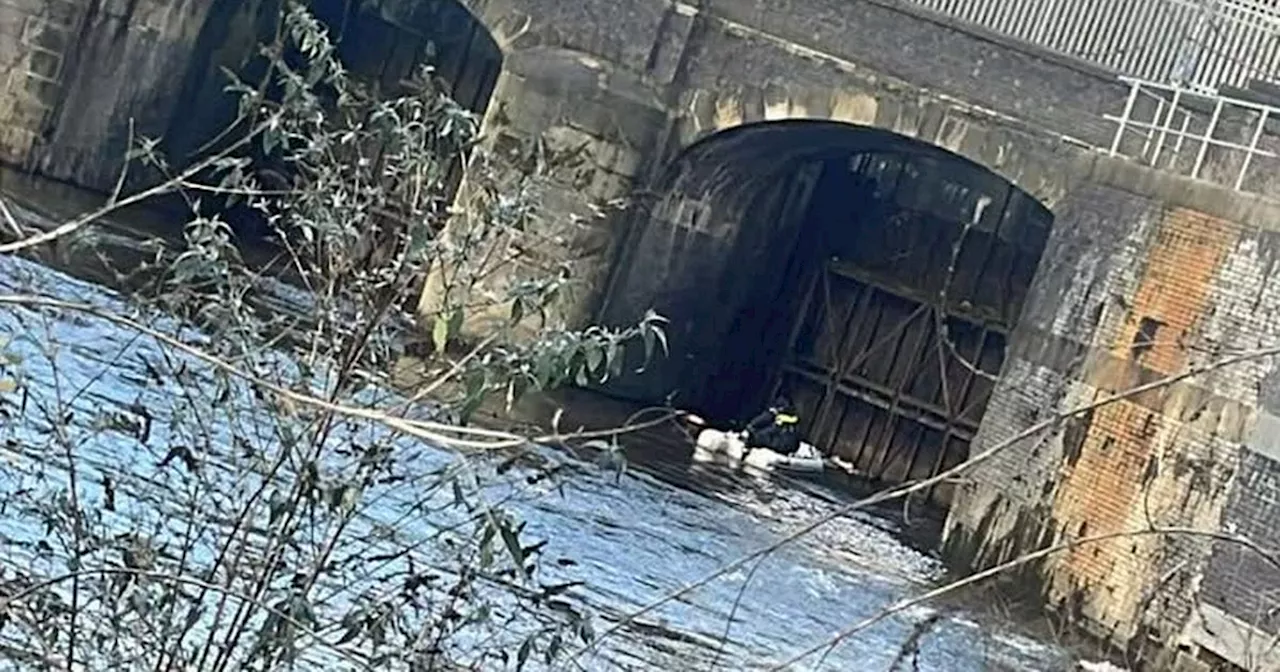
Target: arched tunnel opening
{"x":873,"y":278}
{"x":383,"y":43}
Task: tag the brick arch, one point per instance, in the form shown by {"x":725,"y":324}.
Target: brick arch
{"x":690,"y":252}
{"x":1040,"y":163}
{"x":785,"y":140}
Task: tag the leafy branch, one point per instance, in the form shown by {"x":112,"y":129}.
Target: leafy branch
{"x":267,"y":500}
{"x":909,"y":488}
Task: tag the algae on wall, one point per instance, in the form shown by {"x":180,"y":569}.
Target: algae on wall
{"x":88,"y":74}
{"x":36,"y":37}
{"x":122,"y":69}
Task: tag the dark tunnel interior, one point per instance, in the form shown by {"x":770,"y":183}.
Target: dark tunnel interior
{"x":829,"y":275}
{"x":381,"y":42}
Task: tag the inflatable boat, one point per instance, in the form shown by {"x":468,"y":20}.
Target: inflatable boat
{"x":729,"y":449}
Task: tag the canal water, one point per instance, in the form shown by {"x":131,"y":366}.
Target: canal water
{"x":629,"y":540}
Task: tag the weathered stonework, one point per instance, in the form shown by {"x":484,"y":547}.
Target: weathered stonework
{"x":124,"y":72}
{"x":637,"y":81}
{"x":601,"y":120}
{"x":713,"y":65}
{"x":37,"y":38}
{"x":649,"y":90}
{"x":1154,"y":286}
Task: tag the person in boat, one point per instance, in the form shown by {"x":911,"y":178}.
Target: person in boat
{"x":777,"y":428}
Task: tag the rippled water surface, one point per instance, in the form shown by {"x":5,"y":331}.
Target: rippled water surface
{"x":630,"y":541}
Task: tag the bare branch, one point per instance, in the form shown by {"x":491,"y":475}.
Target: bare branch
{"x":907,"y":603}
{"x":7,"y":603}
{"x":922,"y":484}
{"x":437,"y":432}
{"x":11,"y":220}
{"x":115,"y":204}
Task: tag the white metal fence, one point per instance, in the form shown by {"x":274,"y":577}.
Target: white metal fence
{"x":1207,"y":137}
{"x":1203,"y":44}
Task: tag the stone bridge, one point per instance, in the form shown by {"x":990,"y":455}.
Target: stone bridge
{"x":907,"y":224}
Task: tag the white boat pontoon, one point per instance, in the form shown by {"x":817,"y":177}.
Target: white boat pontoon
{"x":730,"y":449}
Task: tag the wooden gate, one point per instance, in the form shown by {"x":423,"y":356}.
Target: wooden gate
{"x":903,"y":321}
{"x":878,"y":388}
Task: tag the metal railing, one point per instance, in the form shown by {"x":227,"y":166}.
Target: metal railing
{"x":1205,"y":44}
{"x":1181,"y":130}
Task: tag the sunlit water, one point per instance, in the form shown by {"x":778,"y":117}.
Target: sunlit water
{"x":630,"y":542}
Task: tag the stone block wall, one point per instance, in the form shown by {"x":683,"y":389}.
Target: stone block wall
{"x":596,"y":124}
{"x":941,"y":56}
{"x":125,"y":72}
{"x":76,"y":75}
{"x":1241,"y":588}
{"x":1143,"y":277}
{"x":1142,"y":280}
{"x":35,"y":39}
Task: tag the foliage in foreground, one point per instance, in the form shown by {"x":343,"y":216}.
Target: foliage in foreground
{"x":162,"y":513}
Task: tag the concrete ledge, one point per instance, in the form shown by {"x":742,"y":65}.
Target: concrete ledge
{"x":1176,"y":191}
{"x":1233,"y":639}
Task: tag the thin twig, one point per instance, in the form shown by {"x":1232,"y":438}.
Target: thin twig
{"x":733,"y":611}
{"x":124,"y":166}
{"x":907,"y":603}
{"x":11,"y":220}
{"x":916,"y":486}
{"x":457,"y":368}
{"x":7,"y":603}
{"x":82,"y":221}
{"x":436,"y":432}
{"x":910,"y":649}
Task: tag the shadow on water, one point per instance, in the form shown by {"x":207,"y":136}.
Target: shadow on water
{"x":664,"y":525}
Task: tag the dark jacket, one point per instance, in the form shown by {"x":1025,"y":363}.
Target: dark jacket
{"x":777,"y":429}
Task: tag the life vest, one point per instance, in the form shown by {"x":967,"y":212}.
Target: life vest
{"x":785,"y":419}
